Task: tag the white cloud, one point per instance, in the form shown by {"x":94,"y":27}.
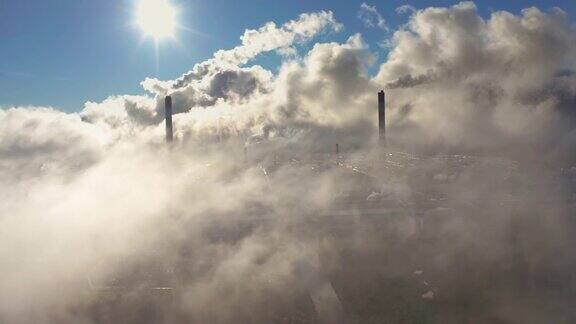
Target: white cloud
{"x":270,"y":37}
{"x":265,"y":39}
{"x":404,"y":9}
{"x":371,"y":17}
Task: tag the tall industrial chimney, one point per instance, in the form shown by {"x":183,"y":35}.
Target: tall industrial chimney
{"x":168,"y":113}
{"x":382,"y":118}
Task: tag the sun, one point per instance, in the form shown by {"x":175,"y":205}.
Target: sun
{"x":156,"y":18}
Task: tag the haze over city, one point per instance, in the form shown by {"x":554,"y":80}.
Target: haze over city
{"x":179,"y":161}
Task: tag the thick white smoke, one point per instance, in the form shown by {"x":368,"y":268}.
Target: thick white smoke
{"x":454,"y":82}
{"x":95,"y":201}
{"x":461,"y":81}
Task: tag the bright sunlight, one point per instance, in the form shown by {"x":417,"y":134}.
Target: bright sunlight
{"x":157,"y":18}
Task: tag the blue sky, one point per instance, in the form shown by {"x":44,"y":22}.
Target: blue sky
{"x":62,"y":53}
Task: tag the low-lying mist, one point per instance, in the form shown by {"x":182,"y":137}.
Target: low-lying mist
{"x":162,"y":234}
{"x":251,"y":216}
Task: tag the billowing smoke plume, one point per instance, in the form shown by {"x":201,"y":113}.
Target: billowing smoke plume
{"x":222,"y":77}
{"x":457,"y":80}
{"x":251,"y":217}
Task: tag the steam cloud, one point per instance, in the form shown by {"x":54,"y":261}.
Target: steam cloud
{"x":94,"y":199}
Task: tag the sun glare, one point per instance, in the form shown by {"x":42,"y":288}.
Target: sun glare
{"x":156,"y":18}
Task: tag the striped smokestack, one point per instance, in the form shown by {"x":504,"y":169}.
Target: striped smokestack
{"x":168,"y":114}
{"x":382,"y":117}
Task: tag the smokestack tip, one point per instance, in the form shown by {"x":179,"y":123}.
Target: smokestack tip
{"x":168,"y":116}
